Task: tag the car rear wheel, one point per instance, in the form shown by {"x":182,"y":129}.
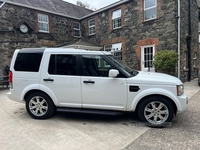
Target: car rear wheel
{"x":39,"y":105}
{"x":156,"y":111}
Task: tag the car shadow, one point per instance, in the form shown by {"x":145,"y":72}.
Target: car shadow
{"x":124,"y":118}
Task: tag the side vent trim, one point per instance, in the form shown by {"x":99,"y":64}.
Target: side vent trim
{"x":134,"y":88}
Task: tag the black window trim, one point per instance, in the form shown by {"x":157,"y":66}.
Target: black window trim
{"x":113,"y":65}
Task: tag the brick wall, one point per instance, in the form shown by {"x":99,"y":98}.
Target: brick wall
{"x":152,"y":41}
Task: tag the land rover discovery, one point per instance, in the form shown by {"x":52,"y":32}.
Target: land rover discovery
{"x":66,"y":79}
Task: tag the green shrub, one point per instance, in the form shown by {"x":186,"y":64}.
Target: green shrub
{"x":165,"y":61}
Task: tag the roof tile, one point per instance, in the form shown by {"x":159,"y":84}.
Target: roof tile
{"x":56,"y":6}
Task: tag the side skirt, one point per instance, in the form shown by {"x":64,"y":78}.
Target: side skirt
{"x":90,"y":111}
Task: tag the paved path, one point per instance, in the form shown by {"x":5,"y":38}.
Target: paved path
{"x":18,"y":131}
{"x":184,"y":134}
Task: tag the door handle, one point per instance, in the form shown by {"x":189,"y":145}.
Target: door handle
{"x":89,"y":82}
{"x":48,"y":79}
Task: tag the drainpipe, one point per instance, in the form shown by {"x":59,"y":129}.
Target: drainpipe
{"x":188,"y":39}
{"x":2,"y":4}
{"x":179,"y":30}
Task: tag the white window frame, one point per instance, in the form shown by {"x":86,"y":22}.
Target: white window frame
{"x":195,"y":59}
{"x":116,"y":19}
{"x":108,"y":48}
{"x":199,"y":26}
{"x":115,"y":49}
{"x":45,"y":23}
{"x":154,"y":16}
{"x":143,"y":57}
{"x":185,"y":60}
{"x":77,"y":29}
{"x":91,"y":27}
{"x":199,"y":38}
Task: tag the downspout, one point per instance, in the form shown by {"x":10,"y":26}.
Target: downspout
{"x":188,"y":39}
{"x":2,"y":4}
{"x":179,"y":32}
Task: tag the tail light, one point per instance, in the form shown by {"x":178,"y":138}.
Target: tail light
{"x":10,"y":78}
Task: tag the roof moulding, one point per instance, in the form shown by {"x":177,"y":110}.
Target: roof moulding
{"x":2,"y":5}
{"x":22,"y":5}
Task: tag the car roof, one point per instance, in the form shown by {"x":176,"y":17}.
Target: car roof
{"x":62,"y":50}
{"x":73,"y":50}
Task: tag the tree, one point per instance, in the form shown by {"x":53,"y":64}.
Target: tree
{"x":85,"y":5}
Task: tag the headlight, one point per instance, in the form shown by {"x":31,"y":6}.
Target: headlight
{"x":180,"y":90}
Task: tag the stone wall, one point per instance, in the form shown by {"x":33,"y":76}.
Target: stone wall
{"x":11,"y":38}
{"x":135,"y":32}
{"x":194,"y":38}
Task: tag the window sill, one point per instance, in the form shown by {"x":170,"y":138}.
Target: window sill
{"x":77,"y":36}
{"x":185,"y":70}
{"x":150,"y":19}
{"x":117,"y":28}
{"x":91,"y":34}
{"x":195,"y":67}
{"x":44,"y":31}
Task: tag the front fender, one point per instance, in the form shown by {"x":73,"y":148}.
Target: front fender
{"x":154,"y":91}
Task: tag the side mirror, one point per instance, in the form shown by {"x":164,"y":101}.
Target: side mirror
{"x":113,"y":73}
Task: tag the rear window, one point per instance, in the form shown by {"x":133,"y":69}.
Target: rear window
{"x":28,"y":62}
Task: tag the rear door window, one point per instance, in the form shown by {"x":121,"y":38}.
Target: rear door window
{"x":62,"y":64}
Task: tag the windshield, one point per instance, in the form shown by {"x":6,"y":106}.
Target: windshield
{"x":124,"y":67}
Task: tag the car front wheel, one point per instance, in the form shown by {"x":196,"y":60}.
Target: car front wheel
{"x":39,"y":105}
{"x":156,"y":111}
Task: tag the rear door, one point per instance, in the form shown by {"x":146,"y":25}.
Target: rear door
{"x":60,"y":77}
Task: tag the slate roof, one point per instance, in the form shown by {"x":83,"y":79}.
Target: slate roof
{"x":81,"y":44}
{"x":54,"y":6}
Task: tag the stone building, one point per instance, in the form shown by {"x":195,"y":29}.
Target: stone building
{"x":134,"y":30}
{"x":37,"y":23}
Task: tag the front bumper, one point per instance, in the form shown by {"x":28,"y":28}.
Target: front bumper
{"x":183,"y":103}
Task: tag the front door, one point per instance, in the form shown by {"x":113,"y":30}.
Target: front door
{"x":147,"y":54}
{"x":98,"y":90}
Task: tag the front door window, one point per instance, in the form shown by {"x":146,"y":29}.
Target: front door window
{"x":95,"y":66}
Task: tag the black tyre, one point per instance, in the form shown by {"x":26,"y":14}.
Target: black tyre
{"x":156,"y":111}
{"x":39,"y":105}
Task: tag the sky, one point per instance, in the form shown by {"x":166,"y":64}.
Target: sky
{"x":94,"y":3}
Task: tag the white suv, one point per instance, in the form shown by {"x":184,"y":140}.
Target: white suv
{"x":71,"y":80}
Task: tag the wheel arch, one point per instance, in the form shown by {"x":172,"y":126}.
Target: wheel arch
{"x":37,"y":90}
{"x":157,"y":95}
